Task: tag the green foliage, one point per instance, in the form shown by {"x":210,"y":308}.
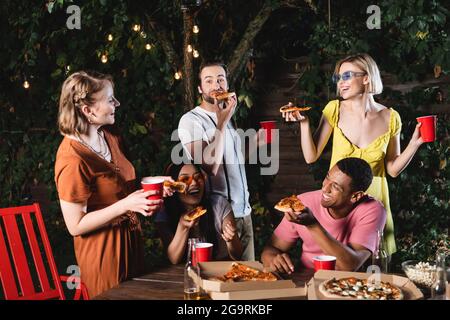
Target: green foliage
{"x":37,"y":47}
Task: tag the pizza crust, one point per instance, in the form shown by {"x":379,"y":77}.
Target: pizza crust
{"x":386,"y":290}
{"x":194,"y":214}
{"x":219,"y":95}
{"x":292,"y":108}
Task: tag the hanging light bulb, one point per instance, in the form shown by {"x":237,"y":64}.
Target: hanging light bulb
{"x":143,"y":35}
{"x":136,"y":27}
{"x":196,"y":54}
{"x":177,"y":75}
{"x":110,"y":37}
{"x":148,"y":46}
{"x":195,"y":29}
{"x":26,"y":84}
{"x":189,"y":48}
{"x":104,"y":58}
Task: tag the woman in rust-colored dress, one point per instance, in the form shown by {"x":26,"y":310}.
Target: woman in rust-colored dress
{"x":96,"y":185}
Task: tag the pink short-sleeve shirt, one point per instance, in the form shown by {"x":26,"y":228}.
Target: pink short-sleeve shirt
{"x":358,"y":227}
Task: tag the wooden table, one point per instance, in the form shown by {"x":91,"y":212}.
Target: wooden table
{"x":166,"y":283}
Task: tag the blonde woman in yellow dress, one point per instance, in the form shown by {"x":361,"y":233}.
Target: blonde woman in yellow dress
{"x":361,"y":128}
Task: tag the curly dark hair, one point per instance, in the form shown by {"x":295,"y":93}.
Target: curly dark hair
{"x":358,"y":170}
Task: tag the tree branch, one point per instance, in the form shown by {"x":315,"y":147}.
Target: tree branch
{"x":162,"y":36}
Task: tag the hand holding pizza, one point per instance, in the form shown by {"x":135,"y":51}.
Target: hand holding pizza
{"x":304,"y":217}
{"x":188,"y":224}
{"x":225,"y":113}
{"x":292,"y":113}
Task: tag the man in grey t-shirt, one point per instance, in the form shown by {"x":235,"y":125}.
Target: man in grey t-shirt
{"x":209,"y":138}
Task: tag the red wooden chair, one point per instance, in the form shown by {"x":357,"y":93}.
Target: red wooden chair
{"x":17,"y":270}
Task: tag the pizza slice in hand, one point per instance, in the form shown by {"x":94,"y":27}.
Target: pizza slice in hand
{"x":290,"y":204}
{"x":176,"y":186}
{"x":221,"y":95}
{"x":195,"y":213}
{"x":291,"y":108}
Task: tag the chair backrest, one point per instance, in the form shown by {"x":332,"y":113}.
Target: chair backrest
{"x":15,"y":273}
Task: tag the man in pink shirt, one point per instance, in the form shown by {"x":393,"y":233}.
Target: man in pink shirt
{"x":339,"y":220}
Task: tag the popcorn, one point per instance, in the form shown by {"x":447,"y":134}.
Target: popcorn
{"x":421,"y":273}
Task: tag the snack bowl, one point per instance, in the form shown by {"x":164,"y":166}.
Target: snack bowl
{"x":421,"y":273}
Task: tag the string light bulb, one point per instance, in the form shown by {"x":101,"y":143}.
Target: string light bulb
{"x":26,"y":84}
{"x":177,"y":75}
{"x":110,"y":37}
{"x":196,"y":54}
{"x":143,"y":35}
{"x":148,"y":46}
{"x":189,"y":48}
{"x":104,"y":58}
{"x":195,"y":29}
{"x":68,"y":69}
{"x":136,"y":27}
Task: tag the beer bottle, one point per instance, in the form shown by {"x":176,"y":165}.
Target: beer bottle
{"x":380,"y":257}
{"x":191,"y":287}
{"x":439,"y":286}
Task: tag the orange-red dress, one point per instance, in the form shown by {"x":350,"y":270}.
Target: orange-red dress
{"x":114,"y":252}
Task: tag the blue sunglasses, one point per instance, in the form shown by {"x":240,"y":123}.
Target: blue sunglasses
{"x":347,"y":75}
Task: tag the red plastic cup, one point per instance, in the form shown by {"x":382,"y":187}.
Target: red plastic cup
{"x":324,"y":263}
{"x":153,"y":183}
{"x":428,"y":128}
{"x":203,"y":251}
{"x":268,"y":126}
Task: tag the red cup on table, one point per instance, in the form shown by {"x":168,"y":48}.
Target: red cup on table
{"x":324,"y":262}
{"x":203,"y":251}
{"x":268,"y":126}
{"x":153,"y":183}
{"x":428,"y":128}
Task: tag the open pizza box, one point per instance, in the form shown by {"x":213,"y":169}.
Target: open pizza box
{"x":409,"y":290}
{"x":245,"y":290}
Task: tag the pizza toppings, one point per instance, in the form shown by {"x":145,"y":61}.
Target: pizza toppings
{"x":195,"y":213}
{"x":291,"y":203}
{"x":222,"y":95}
{"x":176,"y":186}
{"x":240,"y":272}
{"x":360,"y":289}
{"x":291,"y":108}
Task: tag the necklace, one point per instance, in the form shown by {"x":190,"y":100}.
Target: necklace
{"x":103,"y":153}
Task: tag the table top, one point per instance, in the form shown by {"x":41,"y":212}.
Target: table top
{"x":166,"y":283}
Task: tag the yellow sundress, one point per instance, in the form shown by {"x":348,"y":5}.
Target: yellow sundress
{"x":374,"y":154}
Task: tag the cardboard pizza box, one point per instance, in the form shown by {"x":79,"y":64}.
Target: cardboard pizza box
{"x":212,"y":269}
{"x":298,"y":293}
{"x":409,"y":289}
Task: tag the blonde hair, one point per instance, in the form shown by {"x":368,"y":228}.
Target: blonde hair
{"x":369,"y":66}
{"x":78,"y":90}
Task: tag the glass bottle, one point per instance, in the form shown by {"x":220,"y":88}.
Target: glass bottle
{"x":439,"y":286}
{"x":191,"y":287}
{"x":380,"y":257}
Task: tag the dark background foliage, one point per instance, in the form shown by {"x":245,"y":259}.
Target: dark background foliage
{"x":37,"y":47}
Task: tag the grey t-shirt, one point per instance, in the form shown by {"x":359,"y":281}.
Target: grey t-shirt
{"x":230,"y":180}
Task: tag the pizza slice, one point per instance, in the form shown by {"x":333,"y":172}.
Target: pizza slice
{"x":222,"y":95}
{"x":291,"y":108}
{"x":176,"y":186}
{"x":195,"y":213}
{"x":291,"y":203}
{"x":240,"y":272}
